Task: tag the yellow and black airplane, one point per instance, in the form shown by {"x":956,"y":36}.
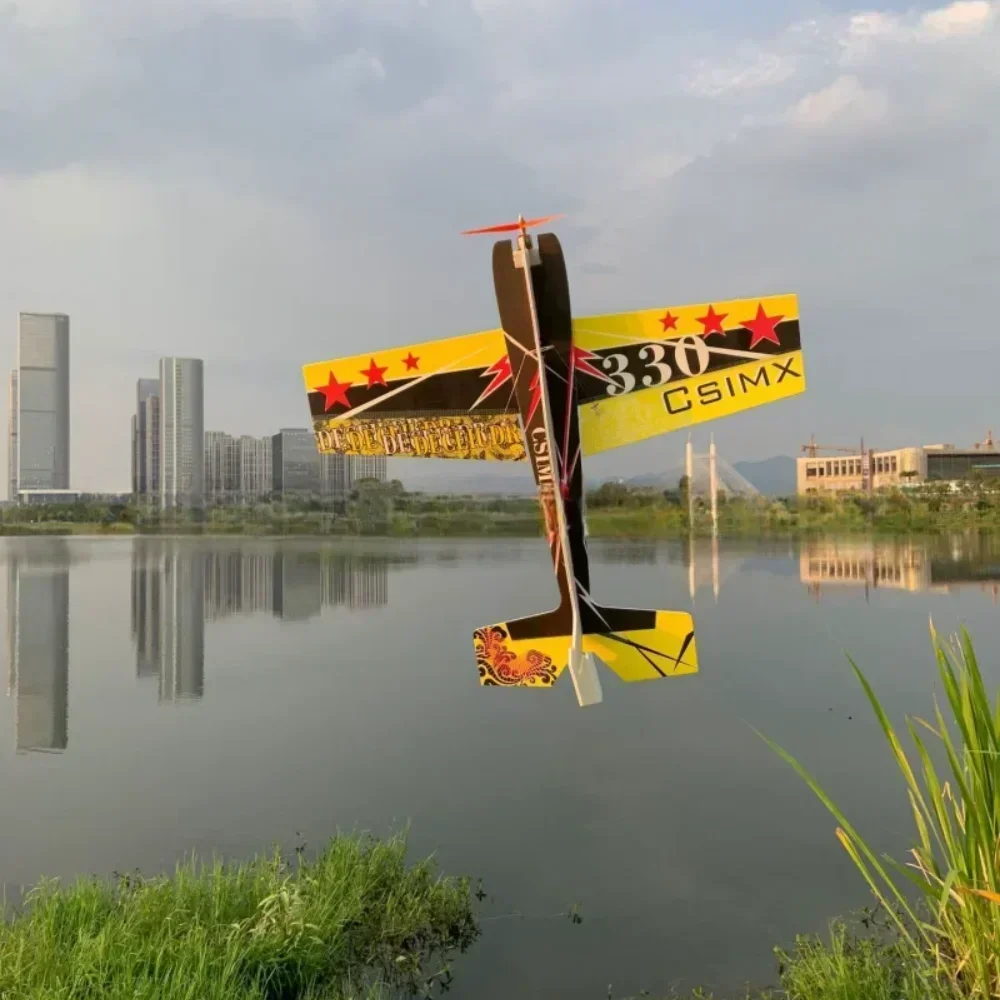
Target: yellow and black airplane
{"x":551,"y":389}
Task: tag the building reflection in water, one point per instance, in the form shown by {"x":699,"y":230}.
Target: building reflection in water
{"x":177,"y":587}
{"x":38,"y":646}
{"x":942,"y":566}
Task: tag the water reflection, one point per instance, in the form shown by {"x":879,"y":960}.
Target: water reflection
{"x":38,"y":647}
{"x":178,"y":587}
{"x":943,"y":565}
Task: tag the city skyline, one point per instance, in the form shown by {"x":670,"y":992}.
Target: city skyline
{"x":800,"y":139}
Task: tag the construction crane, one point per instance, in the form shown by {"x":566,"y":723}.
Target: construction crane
{"x":987,"y":443}
{"x":813,"y":447}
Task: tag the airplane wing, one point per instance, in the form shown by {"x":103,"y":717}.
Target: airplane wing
{"x":641,"y":374}
{"x":638,"y":375}
{"x":449,"y":398}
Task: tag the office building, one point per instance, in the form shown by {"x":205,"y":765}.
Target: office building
{"x":295,"y":463}
{"x":38,"y":415}
{"x":222,"y":467}
{"x":845,"y":473}
{"x":255,"y":468}
{"x":335,"y":477}
{"x":368,"y":467}
{"x":146,"y":440}
{"x":12,"y":438}
{"x":182,"y":433}
{"x":947,"y":463}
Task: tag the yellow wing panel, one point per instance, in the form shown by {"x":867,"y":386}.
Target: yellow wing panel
{"x":618,"y":421}
{"x":643,"y":326}
{"x":670,"y":368}
{"x":440,"y":399}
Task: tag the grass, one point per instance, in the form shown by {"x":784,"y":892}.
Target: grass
{"x":945,"y":900}
{"x":355,"y":922}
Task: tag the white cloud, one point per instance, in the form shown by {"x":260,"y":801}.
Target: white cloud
{"x":964,"y":17}
{"x":845,"y":98}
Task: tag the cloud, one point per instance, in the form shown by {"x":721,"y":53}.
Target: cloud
{"x":844,"y":98}
{"x":269,"y":182}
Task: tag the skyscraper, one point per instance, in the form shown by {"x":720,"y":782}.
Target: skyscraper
{"x":295,"y":463}
{"x":146,"y":439}
{"x":12,"y":438}
{"x":256,"y":476}
{"x":368,"y":467}
{"x":335,"y":477}
{"x":38,"y":419}
{"x":182,"y":433}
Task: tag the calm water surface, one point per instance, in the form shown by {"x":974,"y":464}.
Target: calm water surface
{"x":166,"y":696}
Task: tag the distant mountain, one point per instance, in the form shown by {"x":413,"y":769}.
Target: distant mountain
{"x":772,"y":476}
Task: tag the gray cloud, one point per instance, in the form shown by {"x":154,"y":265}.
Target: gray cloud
{"x":276,"y":181}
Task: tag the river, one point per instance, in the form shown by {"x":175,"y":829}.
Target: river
{"x":221,"y":695}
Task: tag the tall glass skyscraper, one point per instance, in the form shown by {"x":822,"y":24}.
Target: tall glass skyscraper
{"x":38,"y":416}
{"x":182,"y":433}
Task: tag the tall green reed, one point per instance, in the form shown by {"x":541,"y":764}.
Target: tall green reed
{"x":951,"y":923}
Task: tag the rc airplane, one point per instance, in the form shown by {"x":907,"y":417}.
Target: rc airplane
{"x":550,"y":389}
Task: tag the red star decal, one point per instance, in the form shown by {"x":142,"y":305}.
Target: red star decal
{"x":762,"y":327}
{"x":375,"y":375}
{"x":334,"y":392}
{"x":669,"y":322}
{"x":712,"y":322}
{"x":411,"y":362}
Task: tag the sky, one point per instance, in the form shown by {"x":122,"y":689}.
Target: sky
{"x":265,"y":183}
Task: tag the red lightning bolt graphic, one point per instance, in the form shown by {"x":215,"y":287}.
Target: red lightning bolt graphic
{"x":581,"y":359}
{"x":500,"y":370}
{"x":536,"y":396}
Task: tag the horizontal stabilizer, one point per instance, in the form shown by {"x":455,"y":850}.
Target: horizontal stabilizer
{"x":636,"y":645}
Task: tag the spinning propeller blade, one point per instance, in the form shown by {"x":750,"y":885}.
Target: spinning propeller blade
{"x":512,"y":227}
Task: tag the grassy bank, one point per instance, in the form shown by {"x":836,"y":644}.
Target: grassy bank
{"x":355,"y":922}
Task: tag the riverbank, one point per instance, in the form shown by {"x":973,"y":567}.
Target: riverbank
{"x":356,"y":921}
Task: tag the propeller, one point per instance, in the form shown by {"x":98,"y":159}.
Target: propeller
{"x":521,"y":225}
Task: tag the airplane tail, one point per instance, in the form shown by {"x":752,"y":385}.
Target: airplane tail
{"x":636,"y":645}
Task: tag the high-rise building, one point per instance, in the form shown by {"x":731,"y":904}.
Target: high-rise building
{"x":146,"y":439}
{"x":12,"y":438}
{"x":256,"y":476}
{"x":295,"y":463}
{"x":182,"y":433}
{"x":38,"y":419}
{"x":368,"y":467}
{"x":335,"y":477}
{"x":218,"y":448}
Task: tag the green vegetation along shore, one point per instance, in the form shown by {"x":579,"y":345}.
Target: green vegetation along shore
{"x":356,"y":922}
{"x":360,"y":923}
{"x":613,"y":511}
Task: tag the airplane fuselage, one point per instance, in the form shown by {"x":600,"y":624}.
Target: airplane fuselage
{"x":533,"y":300}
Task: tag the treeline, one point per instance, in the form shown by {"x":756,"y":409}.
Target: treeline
{"x":613,"y":510}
